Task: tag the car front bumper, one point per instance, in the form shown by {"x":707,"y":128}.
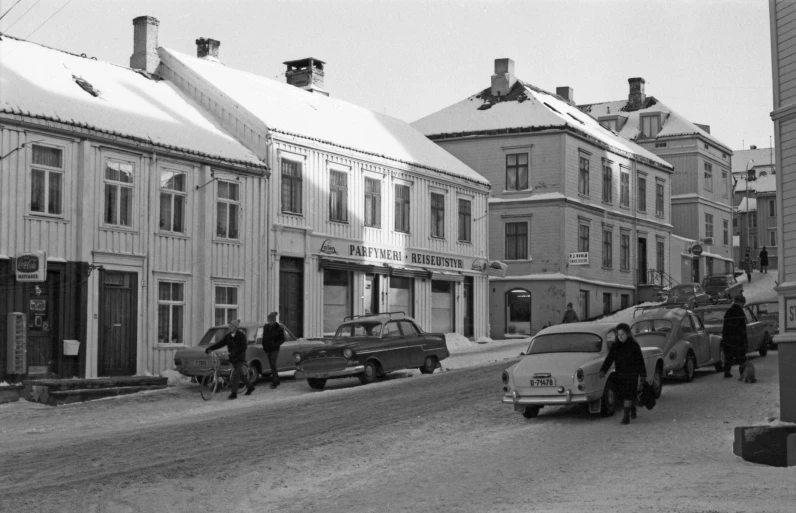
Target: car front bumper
{"x":348,"y":371}
{"x":567,"y":397}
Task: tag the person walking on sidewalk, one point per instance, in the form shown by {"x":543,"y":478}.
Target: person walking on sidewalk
{"x":747,"y":265}
{"x":273,"y":338}
{"x":570,"y":315}
{"x":630,"y":369}
{"x":734,"y":342}
{"x":764,"y":261}
{"x":236,"y":344}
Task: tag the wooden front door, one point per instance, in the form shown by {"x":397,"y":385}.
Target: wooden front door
{"x":41,"y":311}
{"x":291,"y":292}
{"x":118,"y":314}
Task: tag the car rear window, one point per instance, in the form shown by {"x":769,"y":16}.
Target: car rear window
{"x":566,"y":343}
{"x":714,"y":282}
{"x":712,"y":316}
{"x":651,"y":326}
{"x":213,"y":335}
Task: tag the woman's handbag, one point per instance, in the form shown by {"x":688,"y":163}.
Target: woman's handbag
{"x":647,"y":396}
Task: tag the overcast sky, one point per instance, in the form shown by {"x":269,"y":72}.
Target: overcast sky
{"x":708,"y":60}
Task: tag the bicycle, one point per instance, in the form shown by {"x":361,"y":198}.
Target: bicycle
{"x":219,"y":378}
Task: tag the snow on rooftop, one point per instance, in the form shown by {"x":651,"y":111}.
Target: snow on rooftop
{"x":525,"y":107}
{"x":46,"y":83}
{"x":761,"y":156}
{"x":752,"y":205}
{"x":767,"y":183}
{"x":672,"y":123}
{"x":287,"y":109}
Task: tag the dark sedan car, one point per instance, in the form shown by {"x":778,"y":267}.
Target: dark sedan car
{"x":722,"y":286}
{"x":757,"y":332}
{"x":687,"y":293}
{"x":368,"y":347}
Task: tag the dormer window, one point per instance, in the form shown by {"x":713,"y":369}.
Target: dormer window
{"x":650,"y":125}
{"x":613,"y":122}
{"x":610,"y":124}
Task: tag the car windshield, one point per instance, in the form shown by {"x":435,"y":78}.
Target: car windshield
{"x":768,"y":308}
{"x":358,"y":329}
{"x":662,"y":326}
{"x":213,"y":335}
{"x":714,"y":316}
{"x":719,"y":281}
{"x":566,"y":343}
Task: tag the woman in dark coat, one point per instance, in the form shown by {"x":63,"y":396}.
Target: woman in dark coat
{"x":626,"y":354}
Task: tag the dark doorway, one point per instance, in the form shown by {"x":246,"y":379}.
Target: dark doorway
{"x":468,"y":307}
{"x":371,"y":294}
{"x":117,"y":324}
{"x":291,"y":293}
{"x":41,"y":312}
{"x":606,"y":303}
{"x":642,"y":261}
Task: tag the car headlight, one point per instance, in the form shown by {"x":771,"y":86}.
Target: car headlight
{"x":579,"y":375}
{"x":673,"y":355}
{"x":348,"y":353}
{"x":296,"y":357}
{"x":505,"y":377}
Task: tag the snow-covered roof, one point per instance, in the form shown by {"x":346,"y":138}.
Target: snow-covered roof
{"x":752,"y":205}
{"x":286,"y":109}
{"x":761,"y":156}
{"x":51,"y":84}
{"x":525,"y":109}
{"x":767,"y":183}
{"x":672,"y":123}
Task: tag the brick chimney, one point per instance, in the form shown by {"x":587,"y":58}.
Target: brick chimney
{"x":566,"y":93}
{"x":207,"y":49}
{"x":306,"y":74}
{"x":145,"y":44}
{"x":503,"y":79}
{"x":636,"y":97}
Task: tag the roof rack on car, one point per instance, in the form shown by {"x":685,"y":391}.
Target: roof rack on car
{"x":685,"y":306}
{"x":352,"y":317}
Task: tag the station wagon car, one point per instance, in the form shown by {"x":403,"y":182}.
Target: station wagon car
{"x":722,"y":286}
{"x":681,"y":336}
{"x":757,"y":331}
{"x":369,"y":346}
{"x":562,"y":366}
{"x":687,"y":293}
{"x":767,"y":312}
{"x":193,"y":362}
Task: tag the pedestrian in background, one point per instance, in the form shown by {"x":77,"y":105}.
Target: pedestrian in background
{"x":570,"y":315}
{"x":273,"y":338}
{"x":734,"y":343}
{"x":626,"y":354}
{"x":747,"y":265}
{"x":764,"y":261}
{"x":236,"y":344}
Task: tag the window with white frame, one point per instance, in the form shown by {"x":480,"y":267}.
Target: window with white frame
{"x":608,"y":248}
{"x":118,"y":193}
{"x":650,"y":125}
{"x":338,"y":196}
{"x":624,"y":189}
{"x":437,"y":215}
{"x":47,"y":180}
{"x":465,"y":220}
{"x":642,"y":193}
{"x":608,"y":183}
{"x":772,"y":208}
{"x":610,"y":124}
{"x":708,"y":225}
{"x":226,"y":304}
{"x":583,"y":175}
{"x":402,"y":208}
{"x":660,"y":254}
{"x":772,"y":237}
{"x":624,"y":251}
{"x":725,"y":183}
{"x":659,"y":208}
{"x":171,"y":310}
{"x":172,"y":201}
{"x":583,"y":237}
{"x":726,"y":226}
{"x":372,"y":202}
{"x":516,"y":171}
{"x":227,"y":210}
{"x":517,"y":241}
{"x":753,"y":217}
{"x":291,"y":186}
{"x":708,"y":176}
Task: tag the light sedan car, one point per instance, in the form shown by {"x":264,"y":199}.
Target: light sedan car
{"x":369,"y":346}
{"x":757,"y":332}
{"x":681,"y":336}
{"x":562,"y":366}
{"x":767,"y":312}
{"x":193,"y":362}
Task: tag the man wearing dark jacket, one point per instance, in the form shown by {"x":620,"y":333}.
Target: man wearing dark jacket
{"x":630,"y":369}
{"x":570,"y":315}
{"x":734,"y":343}
{"x":764,"y":261}
{"x":236,"y":344}
{"x":273,"y":338}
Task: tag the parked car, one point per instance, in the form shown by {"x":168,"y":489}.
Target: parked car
{"x":768,"y":312}
{"x":722,"y":286}
{"x":562,"y":366}
{"x":369,"y":346}
{"x":757,"y":331}
{"x":687,"y":293}
{"x":192,"y":361}
{"x":681,"y":336}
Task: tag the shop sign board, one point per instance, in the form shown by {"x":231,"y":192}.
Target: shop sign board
{"x":790,"y":314}
{"x":32,"y":266}
{"x":581,"y":258}
{"x":496,"y":268}
{"x":696,"y":249}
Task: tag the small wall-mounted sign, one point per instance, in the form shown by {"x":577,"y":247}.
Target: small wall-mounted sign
{"x":581,"y":258}
{"x":790,"y":314}
{"x":696,"y":249}
{"x":31,"y":267}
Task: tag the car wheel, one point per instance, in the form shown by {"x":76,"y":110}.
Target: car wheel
{"x":657,"y":382}
{"x":371,"y":373}
{"x":429,"y":365}
{"x":254,"y":373}
{"x":608,"y":402}
{"x":316,"y":383}
{"x":764,"y":347}
{"x":531,"y":412}
{"x":690,"y":367}
{"x":209,"y":385}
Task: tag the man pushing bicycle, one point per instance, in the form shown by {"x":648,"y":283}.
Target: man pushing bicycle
{"x":236,"y":344}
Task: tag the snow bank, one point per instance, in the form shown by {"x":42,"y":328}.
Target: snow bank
{"x":175,"y":378}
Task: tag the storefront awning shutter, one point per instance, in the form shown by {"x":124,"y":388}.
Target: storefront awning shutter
{"x":447,"y":276}
{"x":345,"y":265}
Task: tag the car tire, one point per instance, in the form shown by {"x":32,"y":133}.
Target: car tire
{"x":608,"y":400}
{"x":316,"y":383}
{"x":209,"y":385}
{"x":689,"y":369}
{"x":764,"y":347}
{"x":254,"y":372}
{"x":429,"y":365}
{"x":531,"y":412}
{"x":371,"y":373}
{"x":657,"y":382}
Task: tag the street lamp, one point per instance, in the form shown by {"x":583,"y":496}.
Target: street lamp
{"x":748,"y":215}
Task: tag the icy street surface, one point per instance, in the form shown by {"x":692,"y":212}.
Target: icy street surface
{"x":411,"y":443}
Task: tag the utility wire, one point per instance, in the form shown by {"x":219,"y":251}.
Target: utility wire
{"x":23,"y":15}
{"x":48,"y":19}
{"x":9,"y":10}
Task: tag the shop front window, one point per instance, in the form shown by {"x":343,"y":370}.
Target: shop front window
{"x":336,"y":299}
{"x":518,"y":311}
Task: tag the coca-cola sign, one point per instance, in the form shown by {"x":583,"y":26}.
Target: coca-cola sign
{"x":32,"y":266}
{"x":27,"y":263}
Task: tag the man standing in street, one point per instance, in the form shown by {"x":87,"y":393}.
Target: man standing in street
{"x":734,"y":343}
{"x":570,"y":315}
{"x":273,"y":338}
{"x":236,"y":344}
{"x":747,"y":265}
{"x":764,"y":261}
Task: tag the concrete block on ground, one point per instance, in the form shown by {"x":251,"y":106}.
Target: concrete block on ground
{"x":766,"y":445}
{"x":791,"y":446}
